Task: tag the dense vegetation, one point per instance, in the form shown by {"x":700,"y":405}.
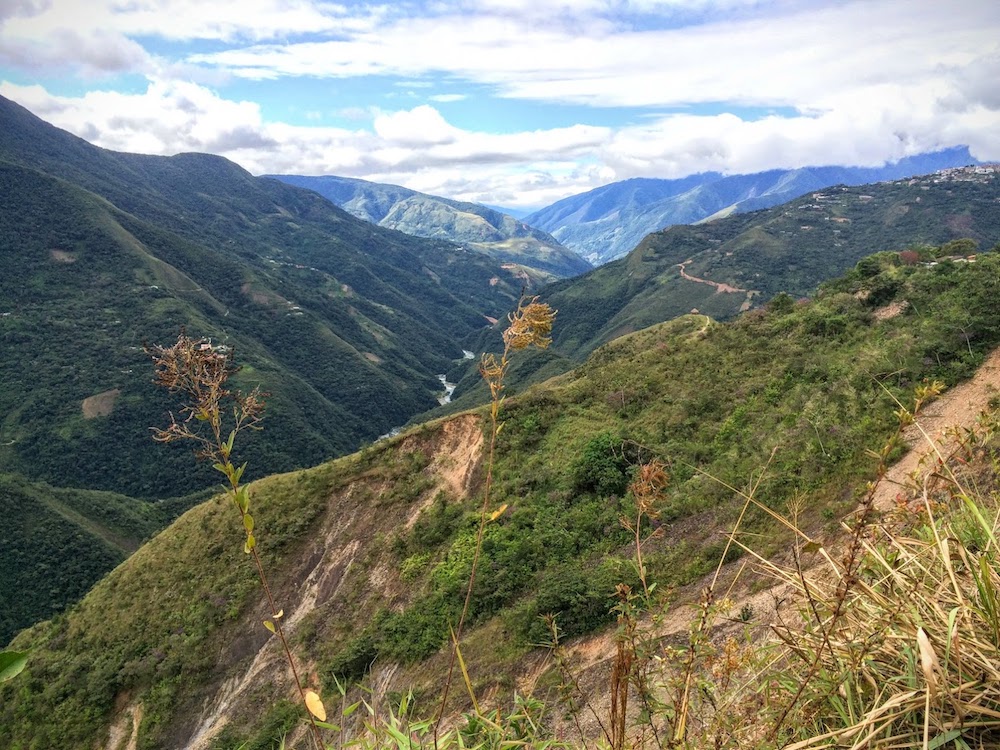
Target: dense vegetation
{"x":810,"y":382}
{"x":57,"y":543}
{"x":345,"y":324}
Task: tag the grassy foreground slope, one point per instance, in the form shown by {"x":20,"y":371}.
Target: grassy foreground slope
{"x":372,"y":552}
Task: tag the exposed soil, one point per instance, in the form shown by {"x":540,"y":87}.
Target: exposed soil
{"x":336,"y":558}
{"x":124,"y":733}
{"x":893,"y":309}
{"x":591,"y":657}
{"x":933,"y":434}
{"x":453,"y":461}
{"x":101,"y":404}
{"x":719,"y":287}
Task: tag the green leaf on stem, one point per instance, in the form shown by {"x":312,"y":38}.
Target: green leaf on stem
{"x":11,"y":664}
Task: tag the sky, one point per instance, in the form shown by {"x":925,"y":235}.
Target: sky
{"x":514,"y":103}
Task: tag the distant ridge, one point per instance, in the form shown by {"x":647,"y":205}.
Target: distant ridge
{"x":607,"y":222}
{"x":738,"y":263}
{"x":489,"y":230}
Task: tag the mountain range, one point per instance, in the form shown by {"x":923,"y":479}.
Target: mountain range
{"x":738,"y":263}
{"x":497,"y":234}
{"x":345,"y":324}
{"x":371,"y":553}
{"x":607,"y":222}
{"x":769,"y":347}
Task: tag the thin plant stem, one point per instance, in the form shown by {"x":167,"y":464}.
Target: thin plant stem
{"x":472,"y":576}
{"x":198,"y":371}
{"x":530,"y":325}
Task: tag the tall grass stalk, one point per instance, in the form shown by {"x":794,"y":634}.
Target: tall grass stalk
{"x":898,"y":648}
{"x":530,"y":325}
{"x":200,"y":374}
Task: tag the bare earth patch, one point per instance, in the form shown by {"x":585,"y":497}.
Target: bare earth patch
{"x":720,"y":287}
{"x":454,"y":460}
{"x":591,"y":657}
{"x":887,"y":312}
{"x":958,"y":407}
{"x":101,"y":404}
{"x":124,"y":733}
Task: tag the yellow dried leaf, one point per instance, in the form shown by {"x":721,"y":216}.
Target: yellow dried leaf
{"x":269,"y":625}
{"x":315,"y":705}
{"x":928,"y":660}
{"x":498,"y":512}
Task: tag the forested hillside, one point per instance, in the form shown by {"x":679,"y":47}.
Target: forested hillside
{"x":56,"y":543}
{"x":728,"y":266}
{"x":346,"y":325}
{"x":495,"y":233}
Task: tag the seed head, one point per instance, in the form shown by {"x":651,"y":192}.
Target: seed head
{"x":530,"y":325}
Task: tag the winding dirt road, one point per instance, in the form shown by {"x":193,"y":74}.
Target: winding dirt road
{"x":719,"y":287}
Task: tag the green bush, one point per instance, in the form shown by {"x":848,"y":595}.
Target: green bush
{"x":603,"y":466}
{"x":580,"y":597}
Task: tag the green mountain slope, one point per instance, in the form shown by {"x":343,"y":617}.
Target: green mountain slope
{"x":56,"y":543}
{"x":738,"y":263}
{"x":485,"y":229}
{"x":345,"y":324}
{"x":789,"y":248}
{"x":370,"y":553}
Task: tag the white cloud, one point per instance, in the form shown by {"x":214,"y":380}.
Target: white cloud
{"x":870,"y":81}
{"x":190,"y":19}
{"x":420,"y":149}
{"x":416,"y":147}
{"x":93,"y":54}
{"x":788,"y":59}
{"x":422,"y":126}
{"x":170,"y":117}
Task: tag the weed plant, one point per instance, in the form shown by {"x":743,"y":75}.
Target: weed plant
{"x":199,"y":373}
{"x":890,"y":641}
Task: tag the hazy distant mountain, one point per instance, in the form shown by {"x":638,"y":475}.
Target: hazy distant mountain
{"x":607,"y":222}
{"x":517,"y":213}
{"x":497,"y":234}
{"x":724,"y":267}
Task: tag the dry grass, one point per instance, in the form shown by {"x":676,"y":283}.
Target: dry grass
{"x":895,"y":644}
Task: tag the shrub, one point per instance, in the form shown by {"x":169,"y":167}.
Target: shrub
{"x":603,"y":466}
